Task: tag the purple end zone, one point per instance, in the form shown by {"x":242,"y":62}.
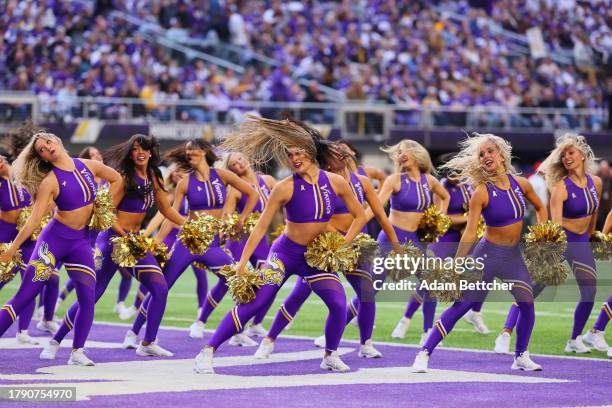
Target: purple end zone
{"x":473,"y":378}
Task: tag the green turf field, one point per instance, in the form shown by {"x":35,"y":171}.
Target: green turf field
{"x":552,"y":329}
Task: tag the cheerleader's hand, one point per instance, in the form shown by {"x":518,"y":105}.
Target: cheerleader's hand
{"x":396,"y":247}
{"x":7,"y":256}
{"x":241,"y":269}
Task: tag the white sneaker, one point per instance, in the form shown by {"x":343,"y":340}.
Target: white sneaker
{"x":400,"y":330}
{"x":367,"y":350}
{"x":502,"y":343}
{"x":78,"y":358}
{"x":130,"y":341}
{"x":266,"y":347}
{"x":50,"y":350}
{"x":256,"y":330}
{"x":242,"y":340}
{"x":523,"y":362}
{"x":118,"y":307}
{"x":476,"y":320}
{"x":420,"y":362}
{"x":49,"y":326}
{"x":320,"y":341}
{"x":24,"y":338}
{"x":152,"y":350}
{"x":127,"y":313}
{"x":576,"y":346}
{"x":196,"y":330}
{"x":333,"y":362}
{"x":204,"y":362}
{"x":596,"y":339}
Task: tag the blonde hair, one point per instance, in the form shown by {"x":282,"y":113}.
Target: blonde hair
{"x":416,"y":150}
{"x":29,"y":169}
{"x":226,"y":165}
{"x":262,"y":140}
{"x":465,"y":167}
{"x":552,"y":167}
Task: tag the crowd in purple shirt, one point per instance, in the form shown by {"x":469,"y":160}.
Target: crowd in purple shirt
{"x":399,"y":52}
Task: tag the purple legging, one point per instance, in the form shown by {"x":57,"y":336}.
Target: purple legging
{"x":201,"y":288}
{"x":580,"y":257}
{"x":363,"y":305}
{"x":604,"y":316}
{"x":214,"y":258}
{"x":287,"y":257}
{"x":506,"y":263}
{"x":445,"y":247}
{"x":58,"y":243}
{"x":124,"y":285}
{"x":140,"y":296}
{"x":429,"y":303}
{"x":146,"y":271}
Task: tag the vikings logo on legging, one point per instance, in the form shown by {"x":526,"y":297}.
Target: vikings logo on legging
{"x":44,"y":265}
{"x":275,"y":264}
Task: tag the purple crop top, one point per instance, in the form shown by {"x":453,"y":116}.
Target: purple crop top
{"x":140,"y":200}
{"x":205,"y":195}
{"x":357,"y":190}
{"x":263,"y":193}
{"x":413,"y":196}
{"x":581,"y":202}
{"x":311,"y":202}
{"x":77,"y":188}
{"x":12,"y":197}
{"x":459,"y":196}
{"x":505,"y":206}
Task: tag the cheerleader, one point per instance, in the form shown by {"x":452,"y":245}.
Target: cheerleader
{"x":263,"y":184}
{"x":14,"y":143}
{"x":167,"y":235}
{"x":137,"y":160}
{"x":569,"y":171}
{"x":309,"y":198}
{"x":92,"y":153}
{"x":446,"y":246}
{"x":410,"y":191}
{"x":499,"y":195}
{"x":205,"y":191}
{"x":48,"y":173}
{"x":363,"y":305}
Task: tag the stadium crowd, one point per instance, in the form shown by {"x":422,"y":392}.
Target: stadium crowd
{"x":403,"y":53}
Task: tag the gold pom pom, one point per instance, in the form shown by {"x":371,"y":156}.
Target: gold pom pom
{"x":103,"y":214}
{"x":407,"y":251}
{"x":23,"y":217}
{"x":602,"y":245}
{"x":9,"y":269}
{"x":229,"y":227}
{"x":480,"y":230}
{"x":129,"y":249}
{"x":328,"y":252}
{"x":251,"y":221}
{"x":367,"y":248}
{"x":433,"y":224}
{"x":200,"y":265}
{"x":243,"y":288}
{"x":280,"y":228}
{"x":445,"y":284}
{"x":545,"y":245}
{"x":160,"y":252}
{"x":197,"y":234}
